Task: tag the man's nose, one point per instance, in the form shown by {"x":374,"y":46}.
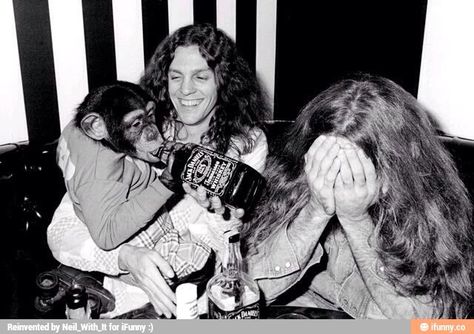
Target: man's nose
{"x":187,"y":86}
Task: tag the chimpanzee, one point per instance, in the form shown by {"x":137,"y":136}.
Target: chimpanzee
{"x":122,"y":116}
{"x":113,"y":192}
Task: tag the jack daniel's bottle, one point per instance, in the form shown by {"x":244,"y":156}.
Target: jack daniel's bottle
{"x":232,"y":293}
{"x":235,"y":183}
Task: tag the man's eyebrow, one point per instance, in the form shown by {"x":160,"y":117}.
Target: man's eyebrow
{"x":207,"y":69}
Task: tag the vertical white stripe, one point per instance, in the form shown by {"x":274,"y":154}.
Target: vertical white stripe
{"x":226,"y":13}
{"x":13,"y":126}
{"x":70,"y":64}
{"x":128,"y":31}
{"x":447,"y":68}
{"x":266,"y":45}
{"x":180,"y":14}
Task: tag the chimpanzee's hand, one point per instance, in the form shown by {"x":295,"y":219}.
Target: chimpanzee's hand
{"x":175,"y":185}
{"x":169,"y":182}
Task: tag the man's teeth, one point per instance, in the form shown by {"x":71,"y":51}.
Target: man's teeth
{"x":190,"y":103}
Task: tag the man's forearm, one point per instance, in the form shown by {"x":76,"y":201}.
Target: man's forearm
{"x":285,"y":256}
{"x":392,"y":304}
{"x":305,"y":232}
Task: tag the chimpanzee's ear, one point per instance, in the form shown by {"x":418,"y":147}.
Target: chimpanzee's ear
{"x":94,"y":126}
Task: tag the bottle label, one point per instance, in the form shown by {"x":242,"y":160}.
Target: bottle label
{"x":209,"y":169}
{"x":251,"y":311}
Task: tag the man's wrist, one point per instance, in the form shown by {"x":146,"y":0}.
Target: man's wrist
{"x":315,"y":212}
{"x":357,"y":222}
{"x":308,"y":221}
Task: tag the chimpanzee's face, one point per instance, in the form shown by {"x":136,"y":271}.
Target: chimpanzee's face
{"x":141,"y":132}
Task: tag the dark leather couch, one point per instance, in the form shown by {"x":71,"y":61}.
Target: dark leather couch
{"x":31,"y":187}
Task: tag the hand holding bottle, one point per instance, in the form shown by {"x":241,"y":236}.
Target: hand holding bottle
{"x":213,"y":204}
{"x":166,"y":155}
{"x":237,"y":184}
{"x":223,"y":219}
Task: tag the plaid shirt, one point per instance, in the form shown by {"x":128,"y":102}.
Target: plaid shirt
{"x":71,"y":243}
{"x":184,"y":254}
{"x":175,"y":245}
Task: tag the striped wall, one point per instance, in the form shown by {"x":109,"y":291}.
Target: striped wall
{"x":55,"y":51}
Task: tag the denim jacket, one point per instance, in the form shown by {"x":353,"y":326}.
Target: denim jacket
{"x":338,"y":284}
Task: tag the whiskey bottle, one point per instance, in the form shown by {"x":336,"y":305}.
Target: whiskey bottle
{"x":235,"y":183}
{"x":232,"y":294}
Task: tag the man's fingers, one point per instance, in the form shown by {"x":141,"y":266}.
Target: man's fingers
{"x":160,"y":300}
{"x":328,"y":160}
{"x":217,"y":205}
{"x":345,"y":170}
{"x":157,"y":305}
{"x":309,"y":156}
{"x":162,"y":291}
{"x":322,"y":152}
{"x":316,"y":144}
{"x":164,"y":267}
{"x":202,"y":197}
{"x":187,"y":188}
{"x":199,"y":194}
{"x":355,"y":166}
{"x":238,"y":213}
{"x":330,"y":177}
{"x":368,"y":166}
{"x":316,"y":158}
{"x":338,"y":184}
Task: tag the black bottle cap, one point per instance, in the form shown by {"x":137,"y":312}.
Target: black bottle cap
{"x":76,"y":297}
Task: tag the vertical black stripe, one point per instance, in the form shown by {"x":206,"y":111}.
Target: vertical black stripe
{"x":205,"y":11}
{"x":319,"y":42}
{"x":420,"y":17}
{"x":246,"y":30}
{"x":155,"y":25}
{"x":37,"y":69}
{"x":100,"y":45}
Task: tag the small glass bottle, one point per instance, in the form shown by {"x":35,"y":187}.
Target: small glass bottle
{"x":186,"y":301}
{"x":233,"y":294}
{"x":235,"y":183}
{"x":77,"y":306}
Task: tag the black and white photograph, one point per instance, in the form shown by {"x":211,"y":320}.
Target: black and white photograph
{"x":236,"y":159}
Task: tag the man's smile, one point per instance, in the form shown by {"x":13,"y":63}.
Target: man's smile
{"x":190,"y":103}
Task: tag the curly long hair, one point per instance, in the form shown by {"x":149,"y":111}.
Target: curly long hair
{"x":423,"y":226}
{"x":241,"y":103}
